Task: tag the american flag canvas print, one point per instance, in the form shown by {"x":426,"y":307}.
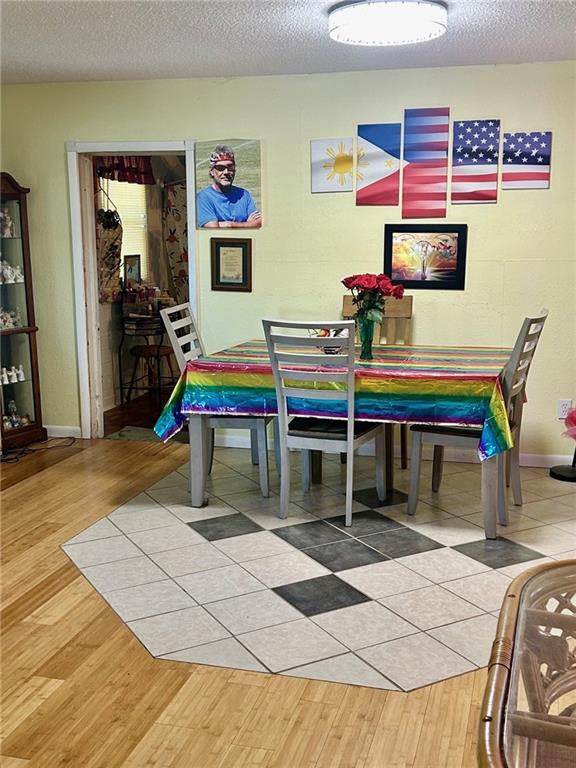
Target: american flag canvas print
{"x":526,"y":160}
{"x":378,"y":164}
{"x":425,"y":179}
{"x":475,"y":151}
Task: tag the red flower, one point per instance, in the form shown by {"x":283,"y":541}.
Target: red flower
{"x":369,"y":291}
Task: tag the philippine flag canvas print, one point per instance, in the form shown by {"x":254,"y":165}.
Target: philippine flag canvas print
{"x":378,"y":164}
{"x":332,"y":165}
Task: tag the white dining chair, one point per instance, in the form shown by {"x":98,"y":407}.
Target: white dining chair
{"x":513,"y":382}
{"x":312,"y":371}
{"x":187,"y":344}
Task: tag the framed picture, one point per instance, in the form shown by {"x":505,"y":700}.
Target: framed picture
{"x":426,"y":256}
{"x":231,"y":261}
{"x":132,"y":269}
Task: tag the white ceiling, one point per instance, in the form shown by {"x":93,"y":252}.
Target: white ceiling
{"x":56,"y":40}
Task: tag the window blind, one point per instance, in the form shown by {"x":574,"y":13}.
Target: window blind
{"x":130,"y":199}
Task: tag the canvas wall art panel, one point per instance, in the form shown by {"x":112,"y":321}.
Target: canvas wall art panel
{"x":425,"y":174}
{"x":331,"y":165}
{"x":526,"y":160}
{"x":475,"y":151}
{"x":378,"y":164}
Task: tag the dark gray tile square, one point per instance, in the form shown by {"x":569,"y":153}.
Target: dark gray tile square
{"x":225,"y":527}
{"x":401,"y":542}
{"x":345,"y":554}
{"x":497,"y":553}
{"x":365,"y":523}
{"x":326,"y":593}
{"x":369,"y":498}
{"x":307,"y":535}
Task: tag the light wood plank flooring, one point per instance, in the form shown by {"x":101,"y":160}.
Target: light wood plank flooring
{"x":79,"y":690}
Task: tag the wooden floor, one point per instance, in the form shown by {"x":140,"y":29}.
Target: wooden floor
{"x":79,"y":690}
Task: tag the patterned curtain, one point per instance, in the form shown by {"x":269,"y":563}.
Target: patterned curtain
{"x":130,"y":168}
{"x":108,"y":250}
{"x":175,"y":235}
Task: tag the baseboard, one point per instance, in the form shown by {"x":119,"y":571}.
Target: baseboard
{"x":54,"y":431}
{"x":450,"y":454}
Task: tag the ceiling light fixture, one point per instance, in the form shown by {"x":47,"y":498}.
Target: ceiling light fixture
{"x":387,"y":22}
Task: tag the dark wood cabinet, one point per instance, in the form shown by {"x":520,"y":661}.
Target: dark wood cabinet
{"x":20,"y":384}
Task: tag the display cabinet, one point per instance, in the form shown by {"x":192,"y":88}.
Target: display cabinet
{"x":20,"y":386}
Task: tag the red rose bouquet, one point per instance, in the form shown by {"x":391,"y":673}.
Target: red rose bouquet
{"x":370,"y":292}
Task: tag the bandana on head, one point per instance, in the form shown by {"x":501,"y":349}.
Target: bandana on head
{"x":217,"y":157}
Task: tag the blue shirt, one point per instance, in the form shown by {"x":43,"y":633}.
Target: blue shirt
{"x":213,"y":205}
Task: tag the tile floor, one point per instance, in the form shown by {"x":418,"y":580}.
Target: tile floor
{"x":388,"y":603}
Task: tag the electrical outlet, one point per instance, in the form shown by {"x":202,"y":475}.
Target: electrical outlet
{"x":563,"y":408}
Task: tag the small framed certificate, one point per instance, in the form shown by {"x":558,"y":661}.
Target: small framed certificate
{"x":231,"y":260}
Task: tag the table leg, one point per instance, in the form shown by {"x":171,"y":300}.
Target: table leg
{"x":490,"y":495}
{"x":389,"y":438}
{"x":316,"y":466}
{"x":198,"y":429}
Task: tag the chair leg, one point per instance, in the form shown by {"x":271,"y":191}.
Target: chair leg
{"x":437,"y":467}
{"x":403,"y":446}
{"x":380,"y":445}
{"x":306,"y":458}
{"x":349,"y":484}
{"x":415,"y":462}
{"x":502,"y":505}
{"x":210,"y":440}
{"x":263,"y":457}
{"x":254,"y":446}
{"x":514,"y":463}
{"x":508,"y":469}
{"x":277,"y":456}
{"x":284,"y":481}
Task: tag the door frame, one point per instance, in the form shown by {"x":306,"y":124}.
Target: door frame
{"x":84,"y":264}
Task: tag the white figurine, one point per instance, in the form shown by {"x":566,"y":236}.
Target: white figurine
{"x":18,"y":274}
{"x":6,"y":223}
{"x":12,"y":375}
{"x":20,"y":372}
{"x":4,"y":376}
{"x":7,"y":272}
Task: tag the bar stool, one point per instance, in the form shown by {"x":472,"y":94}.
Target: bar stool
{"x":152,"y":355}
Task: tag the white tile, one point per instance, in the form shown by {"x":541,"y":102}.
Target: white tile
{"x":101,"y":551}
{"x":148,"y":600}
{"x":221,"y":653}
{"x":254,"y":611}
{"x":416,"y":660}
{"x":442,"y":564}
{"x":170,"y":496}
{"x":472,"y":638}
{"x":103,"y":529}
{"x":568,"y":501}
{"x":548,"y":511}
{"x":570,"y":555}
{"x":546,"y":539}
{"x":224,"y":486}
{"x":219,"y":583}
{"x":424,"y":514}
{"x":177,"y":630}
{"x":547,"y":487}
{"x":173,"y":480}
{"x":567,"y":525}
{"x":215,"y":508}
{"x":200,"y":557}
{"x":123,"y":574}
{"x":347,"y":668}
{"x":430,"y":607}
{"x":486,"y":590}
{"x":162,"y":539}
{"x":129,"y":520}
{"x":285,"y":569}
{"x":270,"y":521}
{"x":516,"y":522}
{"x":252,"y":546}
{"x":515,"y":570}
{"x":286,"y":646}
{"x":138,"y":503}
{"x":365,"y":624}
{"x":253,"y":501}
{"x":451,"y":532}
{"x":382,"y":579}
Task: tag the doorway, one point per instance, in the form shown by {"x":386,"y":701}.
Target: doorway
{"x":107,"y":359}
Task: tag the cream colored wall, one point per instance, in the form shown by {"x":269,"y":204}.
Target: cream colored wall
{"x":521,"y":252}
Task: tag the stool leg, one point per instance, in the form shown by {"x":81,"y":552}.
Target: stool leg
{"x":136,"y":361}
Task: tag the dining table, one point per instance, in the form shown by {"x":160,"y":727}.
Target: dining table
{"x":440,"y":385}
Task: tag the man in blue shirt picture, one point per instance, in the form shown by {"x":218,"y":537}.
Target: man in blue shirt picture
{"x":222,"y":205}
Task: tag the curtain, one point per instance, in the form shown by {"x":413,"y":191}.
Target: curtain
{"x":175,"y":235}
{"x":108,"y":250}
{"x":131,"y":168}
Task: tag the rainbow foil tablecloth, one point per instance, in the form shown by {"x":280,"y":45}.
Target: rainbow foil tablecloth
{"x":427,"y":385}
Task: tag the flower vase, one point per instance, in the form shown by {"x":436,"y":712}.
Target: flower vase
{"x":366,"y":332}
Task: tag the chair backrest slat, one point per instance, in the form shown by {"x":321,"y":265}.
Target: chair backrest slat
{"x":518,"y":365}
{"x":181,"y":328}
{"x":295,"y":359}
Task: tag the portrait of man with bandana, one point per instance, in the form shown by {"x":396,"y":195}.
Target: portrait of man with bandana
{"x":221,"y":204}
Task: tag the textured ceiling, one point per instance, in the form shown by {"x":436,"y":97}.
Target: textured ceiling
{"x":51,"y":40}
